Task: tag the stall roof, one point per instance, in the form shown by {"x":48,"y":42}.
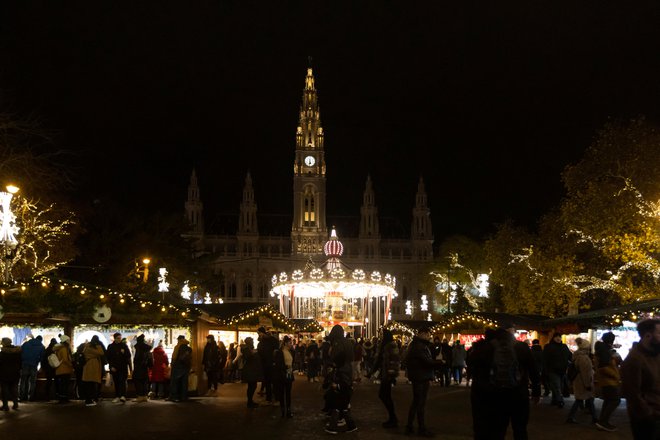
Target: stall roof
{"x":248,"y":315}
{"x":490,"y":319}
{"x":606,"y":317}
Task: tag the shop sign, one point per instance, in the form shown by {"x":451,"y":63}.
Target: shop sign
{"x":265,"y":321}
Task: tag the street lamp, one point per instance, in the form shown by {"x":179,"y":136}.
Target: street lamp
{"x":8,"y":228}
{"x":146,"y":262}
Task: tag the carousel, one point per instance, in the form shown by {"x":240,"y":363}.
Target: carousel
{"x":358,"y":300}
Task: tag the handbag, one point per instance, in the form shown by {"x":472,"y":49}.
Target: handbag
{"x":54,"y":361}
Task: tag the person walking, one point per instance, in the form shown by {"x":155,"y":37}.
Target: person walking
{"x":420,"y":366}
{"x":211,"y":364}
{"x":142,"y":362}
{"x":340,"y":353}
{"x":159,"y":372}
{"x":64,"y":371}
{"x":607,"y":379}
{"x":181,"y":363}
{"x":640,"y":374}
{"x":266,"y":348}
{"x":388,"y":365}
{"x":31,"y":354}
{"x":503,"y":370}
{"x":283,"y":375}
{"x":556,"y":357}
{"x":10,"y":372}
{"x":583,"y":383}
{"x":119,"y":360}
{"x":92,"y":372}
{"x":252,"y":371}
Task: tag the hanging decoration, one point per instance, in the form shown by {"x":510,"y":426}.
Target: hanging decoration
{"x":163,"y":285}
{"x":102,"y":314}
{"x":185,"y":291}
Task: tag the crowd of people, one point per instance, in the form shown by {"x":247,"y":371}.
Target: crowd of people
{"x":505,"y":375}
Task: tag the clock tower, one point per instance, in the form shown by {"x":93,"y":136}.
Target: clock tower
{"x":309,"y":231}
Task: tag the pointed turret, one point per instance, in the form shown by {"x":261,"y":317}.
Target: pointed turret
{"x":421,"y":231}
{"x":247,"y":222}
{"x":194,"y":207}
{"x":369,"y":232}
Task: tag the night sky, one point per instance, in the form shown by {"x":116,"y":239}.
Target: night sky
{"x":488,"y":101}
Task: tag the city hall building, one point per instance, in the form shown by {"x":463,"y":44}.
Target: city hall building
{"x":245,"y":258}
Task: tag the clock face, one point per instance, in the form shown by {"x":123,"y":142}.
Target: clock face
{"x":310,"y":161}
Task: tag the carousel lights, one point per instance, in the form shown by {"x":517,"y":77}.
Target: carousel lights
{"x":375,"y":276}
{"x":316,"y":274}
{"x":283,"y":277}
{"x":358,"y":274}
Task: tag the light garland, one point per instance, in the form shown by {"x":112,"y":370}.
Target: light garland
{"x":102,"y":293}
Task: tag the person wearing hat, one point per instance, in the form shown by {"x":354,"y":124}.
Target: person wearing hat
{"x":64,"y":371}
{"x":142,"y":362}
{"x":119,"y":360}
{"x":10,"y":371}
{"x":181,"y":363}
{"x":252,"y":371}
{"x":583,"y":383}
{"x":607,"y":379}
{"x":556,"y":357}
{"x":503,"y":369}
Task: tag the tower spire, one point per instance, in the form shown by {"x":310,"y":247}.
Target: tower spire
{"x":193,"y":206}
{"x":309,"y":229}
{"x":422,"y":232}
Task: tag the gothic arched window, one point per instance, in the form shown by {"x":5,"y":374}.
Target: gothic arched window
{"x":248,"y":289}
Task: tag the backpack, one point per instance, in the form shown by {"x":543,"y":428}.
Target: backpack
{"x":572,"y":371}
{"x":504,"y":370}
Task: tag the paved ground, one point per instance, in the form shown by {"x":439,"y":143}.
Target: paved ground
{"x":226,"y":417}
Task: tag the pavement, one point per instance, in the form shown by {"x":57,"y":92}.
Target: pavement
{"x":225,"y":416}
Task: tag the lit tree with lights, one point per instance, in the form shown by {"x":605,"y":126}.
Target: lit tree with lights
{"x":603,"y":243}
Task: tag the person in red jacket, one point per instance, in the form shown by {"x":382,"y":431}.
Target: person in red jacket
{"x":640,"y":374}
{"x":159,"y":372}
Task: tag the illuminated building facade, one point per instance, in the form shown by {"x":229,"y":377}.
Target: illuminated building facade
{"x":246,"y":255}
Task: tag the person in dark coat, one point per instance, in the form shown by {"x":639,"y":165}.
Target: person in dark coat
{"x":537,"y":355}
{"x":495,"y":404}
{"x":420,"y":366}
{"x":47,"y":369}
{"x":252,"y":371}
{"x":283,"y":375}
{"x":266,"y":347}
{"x":341,"y":383}
{"x":313,"y":356}
{"x":31,"y":354}
{"x":181,"y":363}
{"x":211,"y":364}
{"x":10,"y":372}
{"x":556,"y":357}
{"x":387,"y":363}
{"x":222,"y":354}
{"x":119,"y":360}
{"x":445,"y":366}
{"x":142,"y":362}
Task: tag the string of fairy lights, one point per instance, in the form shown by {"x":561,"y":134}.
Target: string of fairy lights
{"x":266,"y":309}
{"x":101,"y":295}
{"x":463,"y":317}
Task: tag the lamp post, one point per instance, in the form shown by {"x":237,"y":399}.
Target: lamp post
{"x":146,"y":262}
{"x":8,"y":228}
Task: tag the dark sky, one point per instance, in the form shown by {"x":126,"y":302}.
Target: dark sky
{"x":487,"y":100}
